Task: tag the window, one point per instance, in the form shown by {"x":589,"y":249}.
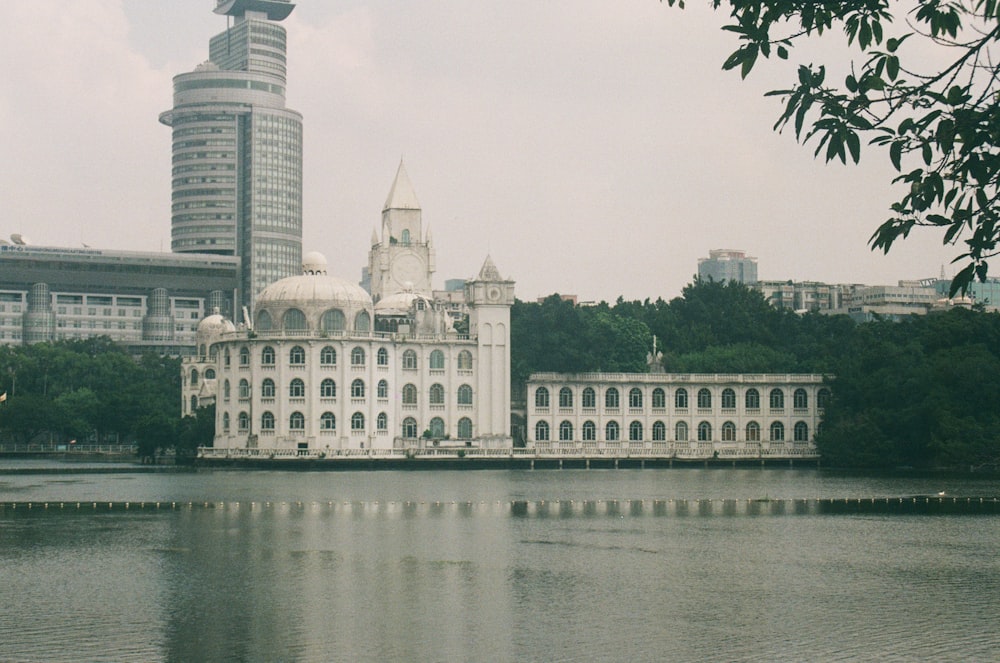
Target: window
{"x":823,"y":398}
{"x":328,"y":356}
{"x":194,"y":377}
{"x":328,"y":421}
{"x":566,"y":397}
{"x":267,"y":356}
{"x":296,"y":389}
{"x":659,"y":432}
{"x":465,"y":395}
{"x":800,"y":399}
{"x":267,"y":388}
{"x":704,"y":432}
{"x":357,"y":421}
{"x":465,"y":360}
{"x":194,"y":403}
{"x":541,"y":397}
{"x":225,"y":390}
{"x":588,"y":399}
{"x":542,"y":431}
{"x":225,"y":422}
{"x":753,"y":399}
{"x":383,"y":389}
{"x":635,"y":397}
{"x":801,"y":432}
{"x":635,"y":431}
{"x":382,"y":359}
{"x":410,"y":360}
{"x":267,"y":421}
{"x":465,"y":428}
{"x":777,"y":399}
{"x":409,"y":395}
{"x":437,"y":360}
{"x":294,"y":320}
{"x":436,"y":394}
{"x":659,"y":399}
{"x":729,"y":432}
{"x":226,"y":358}
{"x":297,"y":356}
{"x":777,"y":432}
{"x":681,"y":399}
{"x":243,"y":422}
{"x":589,"y":431}
{"x":382,"y":421}
{"x":296,"y":421}
{"x":333,"y":320}
{"x":566,"y":431}
{"x":328,"y":389}
{"x":611,"y":399}
{"x":704,"y":399}
{"x":753,"y":432}
{"x":409,"y":428}
{"x":612,"y":431}
{"x":244,"y":389}
{"x":263,"y":321}
{"x":210,"y":374}
{"x":437,"y":427}
{"x":728,"y":400}
{"x":358,"y":388}
{"x":362,"y":322}
{"x":681,"y":431}
{"x":358,"y":357}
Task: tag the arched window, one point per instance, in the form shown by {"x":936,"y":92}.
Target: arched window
{"x":244,"y":356}
{"x":437,"y":360}
{"x":263,"y":321}
{"x":588,"y":399}
{"x":465,"y":428}
{"x":294,"y":320}
{"x":729,"y":432}
{"x":382,"y":421}
{"x":612,"y":399}
{"x":566,"y":431}
{"x":612,"y":431}
{"x":728,"y":399}
{"x":681,"y":431}
{"x":357,"y":421}
{"x":209,"y":373}
{"x":194,"y":377}
{"x":437,"y":427}
{"x":823,"y":398}
{"x":267,"y":356}
{"x":243,"y":422}
{"x":589,"y":431}
{"x":635,"y":431}
{"x":225,"y":390}
{"x":681,"y":400}
{"x":801,"y":432}
{"x":800,"y":399}
{"x":410,"y":360}
{"x":541,"y":397}
{"x":328,"y":389}
{"x":753,"y":399}
{"x":194,"y":403}
{"x":635,"y":397}
{"x":226,"y":358}
{"x":659,"y":432}
{"x":333,"y":320}
{"x":358,"y":388}
{"x":409,"y":395}
{"x":296,"y":421}
{"x":704,"y":399}
{"x":328,"y":421}
{"x":777,"y":432}
{"x":465,"y":360}
{"x":777,"y":399}
{"x":267,"y":388}
{"x":362,"y":322}
{"x":659,"y":399}
{"x":704,"y":432}
{"x":328,"y":356}
{"x":382,"y":357}
{"x":753,"y":432}
{"x":404,"y":237}
{"x":297,"y":356}
{"x":565,"y":397}
{"x":383,"y":389}
{"x":436,"y":394}
{"x":244,"y":389}
{"x":296,"y":389}
{"x":267,"y":421}
{"x":409,"y":428}
{"x":358,"y":357}
{"x":225,"y":422}
{"x":465,"y":395}
{"x":542,"y":431}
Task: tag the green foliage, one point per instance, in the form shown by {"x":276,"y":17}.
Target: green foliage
{"x":925,"y":88}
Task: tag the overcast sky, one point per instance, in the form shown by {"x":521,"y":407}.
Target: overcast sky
{"x":593,"y":147}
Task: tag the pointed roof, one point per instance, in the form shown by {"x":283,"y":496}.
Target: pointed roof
{"x":374,"y":237}
{"x":401,"y":195}
{"x":489,"y":272}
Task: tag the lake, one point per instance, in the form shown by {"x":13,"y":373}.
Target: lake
{"x":571,"y":565}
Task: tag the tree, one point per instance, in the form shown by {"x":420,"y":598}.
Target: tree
{"x":940,"y":125}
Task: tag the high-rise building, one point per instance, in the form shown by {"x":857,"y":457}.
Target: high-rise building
{"x":728,"y":265}
{"x":237,"y":150}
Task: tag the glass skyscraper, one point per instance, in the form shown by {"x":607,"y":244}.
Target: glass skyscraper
{"x":237,"y":151}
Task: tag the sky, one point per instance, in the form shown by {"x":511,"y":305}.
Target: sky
{"x":591,"y":147}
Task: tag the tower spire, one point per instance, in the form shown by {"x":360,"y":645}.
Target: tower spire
{"x":401,"y":195}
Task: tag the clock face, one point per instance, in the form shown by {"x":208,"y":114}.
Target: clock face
{"x":408,"y":267}
{"x":493,"y":293}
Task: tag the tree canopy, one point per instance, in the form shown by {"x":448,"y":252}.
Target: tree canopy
{"x":924,"y":88}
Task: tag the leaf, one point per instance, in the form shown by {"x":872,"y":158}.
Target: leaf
{"x":896,"y":153}
{"x":854,"y":145}
{"x":892,"y":67}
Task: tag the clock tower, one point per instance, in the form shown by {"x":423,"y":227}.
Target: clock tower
{"x":489,"y":297}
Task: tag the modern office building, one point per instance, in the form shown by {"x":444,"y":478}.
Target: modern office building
{"x":728,"y":265}
{"x":237,"y":151}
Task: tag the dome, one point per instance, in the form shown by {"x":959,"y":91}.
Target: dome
{"x":215,"y":325}
{"x":400,"y":303}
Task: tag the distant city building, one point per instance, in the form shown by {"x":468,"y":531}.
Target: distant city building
{"x":237,"y":151}
{"x":985,"y":294}
{"x":803,"y":295}
{"x":728,"y":265}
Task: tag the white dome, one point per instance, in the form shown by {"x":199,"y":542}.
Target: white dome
{"x":214,"y":325}
{"x":400,"y":303}
{"x":314,"y":292}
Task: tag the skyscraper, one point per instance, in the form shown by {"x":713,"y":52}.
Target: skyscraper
{"x":237,"y":150}
{"x":728,"y":265}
